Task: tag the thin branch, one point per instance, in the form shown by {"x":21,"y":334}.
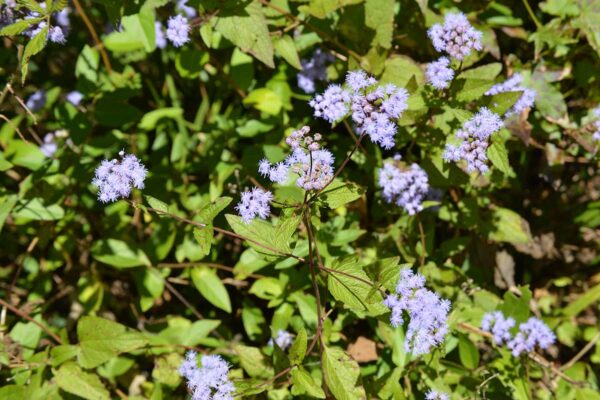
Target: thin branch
{"x":267,"y":382}
{"x":532,"y":15}
{"x":26,"y":316}
{"x":97,"y":41}
{"x":16,"y":128}
{"x":581,"y":353}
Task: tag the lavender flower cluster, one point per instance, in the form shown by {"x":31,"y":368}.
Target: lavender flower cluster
{"x":374,"y":107}
{"x":433,"y":395}
{"x":178,"y":26}
{"x":36,"y":101}
{"x":407,"y":188}
{"x":475,"y":135}
{"x":255,"y":202}
{"x":532,"y":333}
{"x":439,"y":74}
{"x":313,"y":164}
{"x":456,"y":36}
{"x":313,"y":69}
{"x":283,"y":339}
{"x":49,"y":145}
{"x":116,"y":178}
{"x":428,"y":313}
{"x":10,"y":13}
{"x":515,"y":84}
{"x":209,"y":382}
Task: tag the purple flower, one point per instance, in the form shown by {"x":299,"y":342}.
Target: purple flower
{"x":74,"y":97}
{"x":182,"y":6}
{"x":439,"y":74}
{"x":313,"y":69}
{"x":178,"y":30}
{"x":514,"y":84}
{"x":36,"y":101}
{"x":116,"y":178}
{"x":596,"y":134}
{"x":332,"y":105}
{"x":456,"y":36}
{"x":498,"y":325}
{"x":475,"y":135}
{"x":159,"y":34}
{"x":283,"y":339}
{"x":62,"y":18}
{"x":532,"y":333}
{"x":433,"y":395}
{"x":49,"y":146}
{"x":209,"y":382}
{"x":255,"y":202}
{"x":359,"y":80}
{"x":407,"y":188}
{"x":427,"y":312}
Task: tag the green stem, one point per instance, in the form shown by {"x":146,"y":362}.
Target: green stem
{"x":531,"y":14}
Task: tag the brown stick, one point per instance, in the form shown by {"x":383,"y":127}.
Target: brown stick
{"x":24,"y":315}
{"x":97,"y":41}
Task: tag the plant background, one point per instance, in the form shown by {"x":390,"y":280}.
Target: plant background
{"x":523,"y":238}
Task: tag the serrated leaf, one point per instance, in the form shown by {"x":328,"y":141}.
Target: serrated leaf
{"x":379,"y":16}
{"x":341,"y":374}
{"x":322,"y":8}
{"x":101,"y":339}
{"x":72,"y":379}
{"x":118,"y":254}
{"x":298,"y":348}
{"x":355,"y":294}
{"x":34,"y":46}
{"x":211,"y":288}
{"x":498,"y":155}
{"x":157,"y":204}
{"x":339,"y":193}
{"x":488,"y":72}
{"x":253,"y":361}
{"x":305,"y":384}
{"x":18,"y":27}
{"x":502,"y":102}
{"x":208,"y":213}
{"x":246,"y":28}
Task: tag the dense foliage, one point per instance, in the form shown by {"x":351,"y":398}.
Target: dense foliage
{"x":279,"y":199}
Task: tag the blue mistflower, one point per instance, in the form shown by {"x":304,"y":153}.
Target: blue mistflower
{"x":255,"y":202}
{"x":283,"y":339}
{"x":313,"y":69}
{"x":498,"y":325}
{"x":74,"y":97}
{"x":433,"y":395}
{"x":427,"y":312}
{"x":178,"y":30}
{"x":407,"y":188}
{"x":456,"y":36}
{"x":332,"y":105}
{"x":439,"y":74}
{"x":115,"y":178}
{"x":532,"y":333}
{"x":36,"y":101}
{"x":475,"y":135}
{"x":159,"y":33}
{"x":210,"y":381}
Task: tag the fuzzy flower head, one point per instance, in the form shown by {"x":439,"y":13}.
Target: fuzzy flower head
{"x":254,"y":203}
{"x":433,"y":395}
{"x":475,"y":135}
{"x":189,"y":12}
{"x":498,"y":325}
{"x":456,"y":36}
{"x":178,"y":30}
{"x":427,"y":313}
{"x":407,"y":188}
{"x":439,"y":74}
{"x":36,"y":101}
{"x":49,"y":146}
{"x":332,"y":105}
{"x":283,"y":339}
{"x":210,"y":381}
{"x":74,"y":97}
{"x":515,"y":84}
{"x":313,"y":69}
{"x":159,"y":33}
{"x":532,"y":333}
{"x":115,"y":178}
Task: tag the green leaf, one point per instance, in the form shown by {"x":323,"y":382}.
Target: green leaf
{"x":339,"y":193}
{"x":265,"y":100}
{"x":298,"y":348}
{"x":515,"y":306}
{"x":305,"y":384}
{"x":379,"y":16}
{"x":204,"y":237}
{"x":487,"y":72}
{"x":286,"y":49}
{"x":211,"y":288}
{"x":181,"y":331}
{"x":277,"y":238}
{"x":166,"y":369}
{"x":118,"y":253}
{"x":341,"y":374}
{"x":34,"y":46}
{"x":101,"y":339}
{"x":322,"y":8}
{"x":157,"y":204}
{"x":208,"y":213}
{"x":72,"y":379}
{"x":247,"y":29}
{"x":253,"y":361}
{"x":267,"y":288}
{"x":508,"y":226}
{"x":6,"y":205}
{"x":36,"y":209}
{"x":498,"y":155}
{"x":356,"y":294}
{"x":400,"y":69}
{"x":151,"y":119}
{"x":502,"y":102}
{"x":472,"y":88}
{"x":63,"y":353}
{"x":589,"y":22}
{"x":18,"y":27}
{"x":467,"y":352}
{"x":137,"y":32}
{"x":589,"y":297}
